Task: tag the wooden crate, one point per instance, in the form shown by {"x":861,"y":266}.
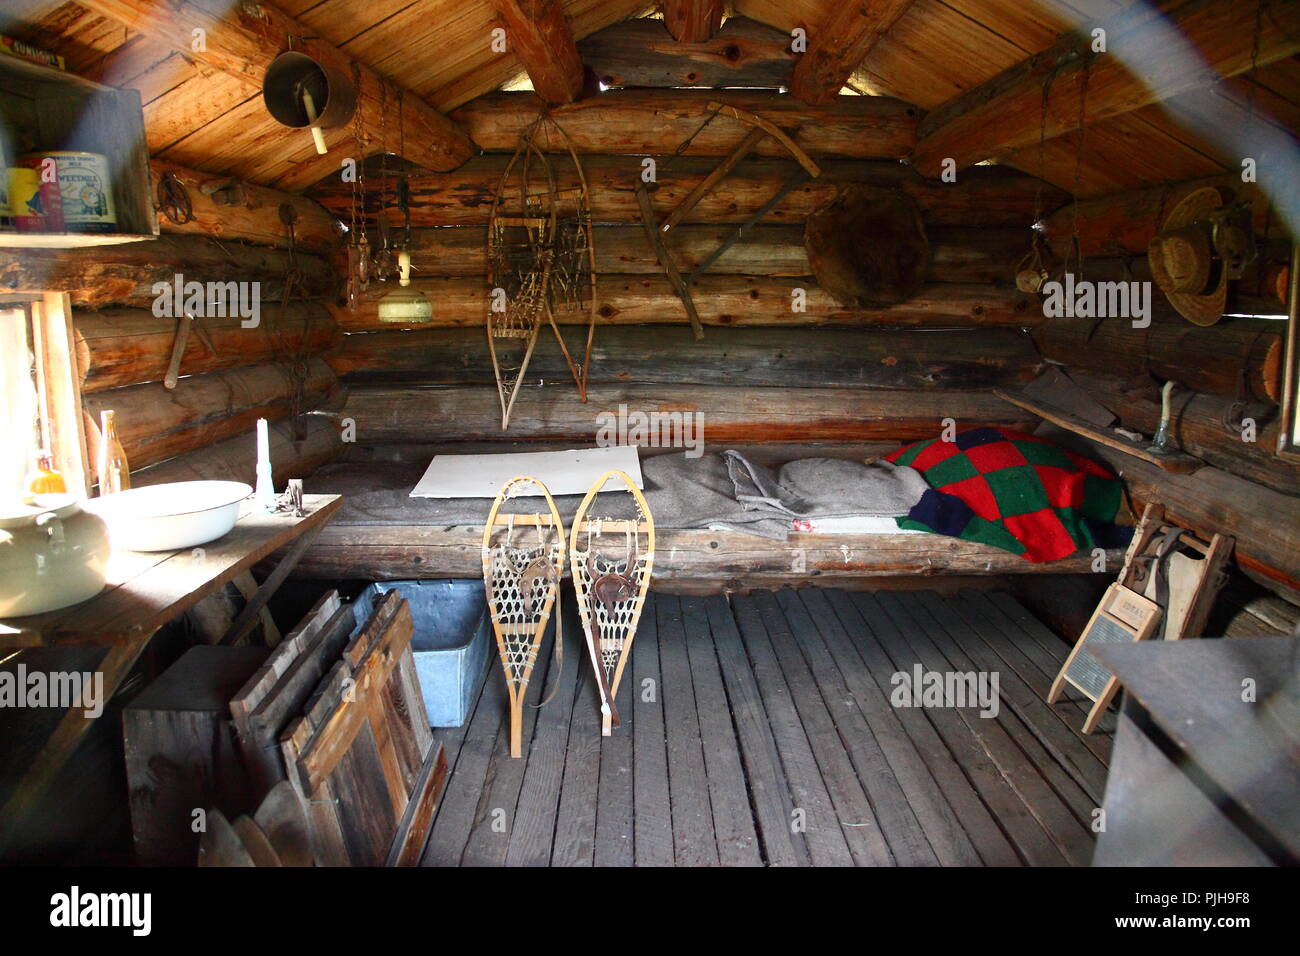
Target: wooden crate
{"x":46,"y":109}
{"x":181,"y":754}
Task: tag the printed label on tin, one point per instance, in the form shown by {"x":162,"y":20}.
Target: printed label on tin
{"x":86,"y":193}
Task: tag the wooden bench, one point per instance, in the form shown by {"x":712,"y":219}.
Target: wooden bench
{"x":378,"y":535}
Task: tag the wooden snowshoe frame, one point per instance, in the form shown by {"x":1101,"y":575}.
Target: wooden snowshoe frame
{"x":611,"y":590}
{"x":523,"y":562}
{"x":541,"y":253}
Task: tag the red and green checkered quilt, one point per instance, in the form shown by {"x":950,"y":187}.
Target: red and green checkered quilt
{"x":1014,"y":491}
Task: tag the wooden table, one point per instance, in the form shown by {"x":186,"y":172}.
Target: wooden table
{"x":1201,"y":776}
{"x":145,"y":590}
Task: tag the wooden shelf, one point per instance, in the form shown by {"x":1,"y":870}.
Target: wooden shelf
{"x":66,"y":240}
{"x":44,"y":109}
{"x":1176,"y":462}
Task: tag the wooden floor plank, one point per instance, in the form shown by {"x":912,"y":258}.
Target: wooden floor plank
{"x":733,"y":818}
{"x":813,"y":810}
{"x":694,"y":841}
{"x":769,"y":792}
{"x":575,"y":821}
{"x":758,"y":729}
{"x":951,"y":845}
{"x":852,"y":805}
{"x":1025,"y":832}
{"x":1029,"y":738}
{"x":489,"y":840}
{"x":652,"y":806}
{"x":458,"y":810}
{"x":973,"y":634}
{"x":898,"y":822}
{"x":1055,"y":818}
{"x":533,"y":829}
{"x":615,"y":813}
{"x":1055,"y":650}
{"x":1023,"y":655}
{"x":950,"y":768}
{"x":1011,"y":618}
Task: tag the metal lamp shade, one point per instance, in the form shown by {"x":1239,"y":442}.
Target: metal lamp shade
{"x":331,"y":92}
{"x":405,"y":306}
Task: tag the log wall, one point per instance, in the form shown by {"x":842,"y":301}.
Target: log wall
{"x":764,"y":372}
{"x":1224,"y":373}
{"x":204,"y":427}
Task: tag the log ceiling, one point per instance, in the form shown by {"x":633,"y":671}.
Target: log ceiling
{"x":975,"y":69}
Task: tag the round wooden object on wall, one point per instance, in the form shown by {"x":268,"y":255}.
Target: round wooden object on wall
{"x":867,"y":247}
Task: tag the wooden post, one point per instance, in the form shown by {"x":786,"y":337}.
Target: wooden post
{"x":692,"y":21}
{"x":539,"y":35}
{"x":837,"y":46}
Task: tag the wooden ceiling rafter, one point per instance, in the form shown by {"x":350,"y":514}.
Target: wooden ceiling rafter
{"x":540,"y":36}
{"x":692,"y":21}
{"x":837,"y":46}
{"x":1191,"y":48}
{"x":245,"y":41}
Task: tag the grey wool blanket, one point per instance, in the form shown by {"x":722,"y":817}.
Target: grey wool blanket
{"x":723,"y":492}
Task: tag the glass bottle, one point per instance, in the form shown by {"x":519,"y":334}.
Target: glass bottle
{"x":43,"y":479}
{"x":113,"y":472}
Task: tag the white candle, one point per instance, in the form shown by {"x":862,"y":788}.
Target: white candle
{"x":265,"y":493}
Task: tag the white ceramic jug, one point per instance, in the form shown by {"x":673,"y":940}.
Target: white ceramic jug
{"x":52,"y":554}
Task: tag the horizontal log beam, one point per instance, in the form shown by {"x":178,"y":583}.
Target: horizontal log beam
{"x":1197,"y":427}
{"x":384,"y":414}
{"x":1125,"y":223}
{"x":722,"y":300}
{"x":156,"y":423}
{"x":1149,"y":58}
{"x":118,"y":347}
{"x":838,"y":44}
{"x":252,"y":215}
{"x":668,"y":355}
{"x":657,"y":121}
{"x":125,"y":274}
{"x":642,"y":52}
{"x":244,"y":40}
{"x":397,"y":552}
{"x":539,"y":35}
{"x":235,"y":459}
{"x":983,"y":196}
{"x":1220,"y":359}
{"x":692,"y":21}
{"x":956,"y":254}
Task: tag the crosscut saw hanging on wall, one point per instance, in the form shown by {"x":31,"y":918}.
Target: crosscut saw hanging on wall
{"x":657,"y":231}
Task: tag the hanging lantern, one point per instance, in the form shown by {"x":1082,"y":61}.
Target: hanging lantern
{"x":404,"y":304}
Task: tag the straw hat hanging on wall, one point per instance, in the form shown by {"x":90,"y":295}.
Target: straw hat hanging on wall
{"x":1183,"y":261}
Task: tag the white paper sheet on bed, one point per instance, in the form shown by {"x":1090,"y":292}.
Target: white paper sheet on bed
{"x":569,"y":472}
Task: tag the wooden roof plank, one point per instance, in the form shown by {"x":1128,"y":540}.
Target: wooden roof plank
{"x":1149,"y":59}
{"x":245,"y":41}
